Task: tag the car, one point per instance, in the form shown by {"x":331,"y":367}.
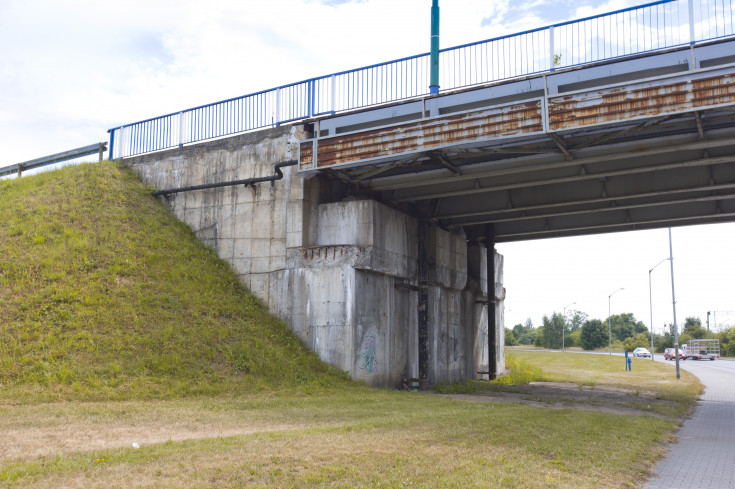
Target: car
{"x":669,"y":354}
{"x":641,"y":352}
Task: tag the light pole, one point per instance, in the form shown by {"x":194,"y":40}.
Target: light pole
{"x":564,"y":326}
{"x":609,"y":327}
{"x":673,"y":302}
{"x":650,"y":301}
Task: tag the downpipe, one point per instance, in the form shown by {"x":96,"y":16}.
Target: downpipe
{"x":248,"y":181}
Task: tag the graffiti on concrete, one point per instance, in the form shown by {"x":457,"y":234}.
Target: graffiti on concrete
{"x":368,"y":362}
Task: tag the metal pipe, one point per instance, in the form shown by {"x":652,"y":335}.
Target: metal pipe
{"x":492,"y":345}
{"x":247,"y":181}
{"x":423,"y":303}
{"x":434,"y":55}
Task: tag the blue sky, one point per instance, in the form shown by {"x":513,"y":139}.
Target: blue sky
{"x":71,"y":70}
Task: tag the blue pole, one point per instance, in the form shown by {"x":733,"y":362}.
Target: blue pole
{"x":434,"y":60}
{"x":112,"y":144}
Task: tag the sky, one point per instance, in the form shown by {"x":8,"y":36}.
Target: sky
{"x":71,"y":70}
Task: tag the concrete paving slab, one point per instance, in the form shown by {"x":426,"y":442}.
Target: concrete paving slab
{"x":705,"y":453}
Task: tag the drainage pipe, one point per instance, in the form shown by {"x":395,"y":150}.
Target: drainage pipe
{"x":423,"y":303}
{"x":492,"y":346}
{"x":247,"y":181}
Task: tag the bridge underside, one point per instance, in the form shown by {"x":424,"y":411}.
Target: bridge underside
{"x":628,"y":156}
{"x":662,"y":172}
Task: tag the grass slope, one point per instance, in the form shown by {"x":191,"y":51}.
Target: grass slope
{"x":105,"y":295}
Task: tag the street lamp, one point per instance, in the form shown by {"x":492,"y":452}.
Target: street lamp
{"x":564,"y":326}
{"x":673,"y":303}
{"x":609,"y":327}
{"x":650,"y":301}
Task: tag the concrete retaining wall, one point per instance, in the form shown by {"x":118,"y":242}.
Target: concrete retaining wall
{"x":338,"y":273}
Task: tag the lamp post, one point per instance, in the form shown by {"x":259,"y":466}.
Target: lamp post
{"x":609,"y":326}
{"x":650,"y":301}
{"x":673,"y":303}
{"x":564,"y":326}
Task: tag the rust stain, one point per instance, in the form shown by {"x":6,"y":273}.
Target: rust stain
{"x":616,"y":105}
{"x":510,"y":120}
{"x":565,"y":111}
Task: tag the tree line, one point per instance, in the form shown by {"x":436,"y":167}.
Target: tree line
{"x":626,"y":331}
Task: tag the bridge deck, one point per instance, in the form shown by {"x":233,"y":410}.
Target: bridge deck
{"x":633,"y":144}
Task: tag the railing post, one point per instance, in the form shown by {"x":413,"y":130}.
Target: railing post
{"x":551,"y":49}
{"x":112,"y":144}
{"x":334,"y":94}
{"x":102,"y":150}
{"x":310,"y":101}
{"x":277,"y":118}
{"x":20,"y":170}
{"x":181,"y":129}
{"x":691,"y":21}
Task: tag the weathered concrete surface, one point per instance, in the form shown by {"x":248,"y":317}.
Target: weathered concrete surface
{"x":339,"y":273}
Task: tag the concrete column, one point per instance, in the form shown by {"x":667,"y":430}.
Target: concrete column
{"x":492,"y":347}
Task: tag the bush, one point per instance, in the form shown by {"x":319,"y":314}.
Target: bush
{"x":641,"y":340}
{"x":574,"y":339}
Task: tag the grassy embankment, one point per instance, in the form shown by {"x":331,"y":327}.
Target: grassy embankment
{"x":118,"y":327}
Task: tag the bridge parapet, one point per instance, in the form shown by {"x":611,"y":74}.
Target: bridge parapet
{"x":537,"y":106}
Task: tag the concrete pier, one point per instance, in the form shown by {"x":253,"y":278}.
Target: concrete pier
{"x":340,"y":268}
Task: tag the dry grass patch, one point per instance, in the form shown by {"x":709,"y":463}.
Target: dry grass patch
{"x":370,"y":439}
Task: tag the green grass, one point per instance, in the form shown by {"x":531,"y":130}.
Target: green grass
{"x":359,"y":439}
{"x":105,"y":295}
{"x":645,"y":376}
{"x":118,"y":326}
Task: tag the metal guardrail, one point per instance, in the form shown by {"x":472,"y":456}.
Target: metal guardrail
{"x":645,"y":28}
{"x":55,"y":158}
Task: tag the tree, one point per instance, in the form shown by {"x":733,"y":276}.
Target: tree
{"x":510,"y":340}
{"x":576,"y":321}
{"x":551,"y":331}
{"x":518,"y":330}
{"x":625,"y":326}
{"x":524,"y":334}
{"x":528,"y":338}
{"x":594,"y":334}
{"x":693,"y":327}
{"x":727,"y":342}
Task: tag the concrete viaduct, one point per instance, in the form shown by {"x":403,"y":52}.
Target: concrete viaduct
{"x":376,"y":244}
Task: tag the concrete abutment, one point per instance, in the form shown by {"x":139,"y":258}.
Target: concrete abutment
{"x":341,"y":271}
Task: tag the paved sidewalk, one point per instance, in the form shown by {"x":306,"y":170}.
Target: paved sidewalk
{"x":705,"y":454}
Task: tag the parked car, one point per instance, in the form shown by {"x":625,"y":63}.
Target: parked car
{"x":669,"y":354}
{"x":641,"y":352}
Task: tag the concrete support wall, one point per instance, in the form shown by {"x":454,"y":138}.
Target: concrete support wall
{"x":340,"y":274}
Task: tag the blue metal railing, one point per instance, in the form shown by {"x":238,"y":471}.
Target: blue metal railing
{"x":645,"y":28}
